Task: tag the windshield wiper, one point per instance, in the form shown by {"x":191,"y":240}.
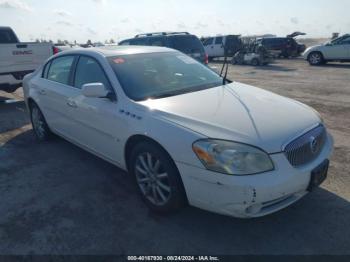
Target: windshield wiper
{"x":167,"y":94}
{"x":225,"y":67}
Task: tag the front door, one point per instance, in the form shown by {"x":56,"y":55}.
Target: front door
{"x":338,"y":49}
{"x":209,"y":46}
{"x":98,"y":125}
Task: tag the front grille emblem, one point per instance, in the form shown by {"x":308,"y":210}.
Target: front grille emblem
{"x":313,"y":144}
{"x":306,"y":147}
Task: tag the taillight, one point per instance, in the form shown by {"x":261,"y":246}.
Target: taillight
{"x":55,"y":50}
{"x":206,"y":61}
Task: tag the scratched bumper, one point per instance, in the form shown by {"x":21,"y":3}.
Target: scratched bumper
{"x":253,"y":195}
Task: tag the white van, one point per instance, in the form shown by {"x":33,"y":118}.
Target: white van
{"x":215,"y":46}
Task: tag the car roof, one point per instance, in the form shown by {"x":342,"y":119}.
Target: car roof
{"x":172,"y":35}
{"x":273,"y":38}
{"x":108,"y":51}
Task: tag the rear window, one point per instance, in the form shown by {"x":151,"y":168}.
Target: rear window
{"x":7,"y":37}
{"x":187,"y":44}
{"x":218,"y":40}
{"x":208,"y":41}
{"x":157,"y":41}
{"x":60,"y":69}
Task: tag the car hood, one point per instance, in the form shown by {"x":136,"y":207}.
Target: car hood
{"x":238,"y":112}
{"x":314,"y":47}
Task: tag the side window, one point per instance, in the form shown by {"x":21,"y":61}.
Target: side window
{"x":7,"y":37}
{"x":345,"y":41}
{"x":60,"y":69}
{"x":89,"y":71}
{"x":46,"y":70}
{"x":209,"y":41}
{"x":139,"y":41}
{"x":218,"y":40}
{"x":124,"y":43}
{"x":156,"y":41}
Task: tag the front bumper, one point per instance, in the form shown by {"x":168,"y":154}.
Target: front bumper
{"x":253,"y":195}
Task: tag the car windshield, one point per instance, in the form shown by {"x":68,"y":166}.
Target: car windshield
{"x":163,"y":74}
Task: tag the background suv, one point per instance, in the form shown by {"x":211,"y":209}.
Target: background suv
{"x":335,"y":50}
{"x":287,"y":46}
{"x":215,"y":46}
{"x":182,"y":41}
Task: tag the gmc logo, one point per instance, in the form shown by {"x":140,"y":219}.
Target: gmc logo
{"x":29,"y":52}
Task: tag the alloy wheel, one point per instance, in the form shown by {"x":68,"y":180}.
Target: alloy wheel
{"x":315,"y":58}
{"x":152,"y":179}
{"x":38,"y":123}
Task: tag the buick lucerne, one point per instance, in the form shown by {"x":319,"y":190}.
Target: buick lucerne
{"x":183,"y":133}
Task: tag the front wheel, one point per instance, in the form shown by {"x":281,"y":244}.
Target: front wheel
{"x":157,"y":178}
{"x":315,"y":58}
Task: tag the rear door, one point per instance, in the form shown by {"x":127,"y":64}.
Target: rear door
{"x":219,"y":46}
{"x":54,"y":90}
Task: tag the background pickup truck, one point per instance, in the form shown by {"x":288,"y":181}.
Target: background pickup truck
{"x":18,"y":59}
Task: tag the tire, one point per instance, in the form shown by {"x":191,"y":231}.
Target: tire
{"x":255,"y":62}
{"x":315,"y":58}
{"x":157,"y":178}
{"x":40,"y":127}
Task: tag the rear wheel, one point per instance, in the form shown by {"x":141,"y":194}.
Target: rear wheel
{"x":157,"y":178}
{"x":40,"y":127}
{"x":315,"y":58}
{"x":255,"y":62}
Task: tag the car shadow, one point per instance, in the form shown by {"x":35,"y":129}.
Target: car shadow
{"x":13,"y":114}
{"x":57,"y":187}
{"x":270,"y":67}
{"x":273,"y":67}
{"x":334,"y":65}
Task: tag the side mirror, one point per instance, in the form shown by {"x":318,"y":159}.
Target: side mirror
{"x":97,"y":90}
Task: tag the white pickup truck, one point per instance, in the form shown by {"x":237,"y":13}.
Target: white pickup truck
{"x":18,"y":59}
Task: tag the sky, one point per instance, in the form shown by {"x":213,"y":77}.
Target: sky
{"x":100,"y":20}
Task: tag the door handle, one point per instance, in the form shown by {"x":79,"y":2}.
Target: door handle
{"x":42,"y":92}
{"x":72,"y":104}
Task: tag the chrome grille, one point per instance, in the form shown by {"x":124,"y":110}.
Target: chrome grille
{"x":307,"y":147}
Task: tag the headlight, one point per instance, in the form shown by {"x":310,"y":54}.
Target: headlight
{"x":231,"y":157}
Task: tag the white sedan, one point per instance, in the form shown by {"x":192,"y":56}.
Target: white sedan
{"x":185,"y":134}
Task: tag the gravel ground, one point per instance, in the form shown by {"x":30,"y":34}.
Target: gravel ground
{"x":59,"y":199}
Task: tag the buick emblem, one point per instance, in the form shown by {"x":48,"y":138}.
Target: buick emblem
{"x":313,"y":144}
